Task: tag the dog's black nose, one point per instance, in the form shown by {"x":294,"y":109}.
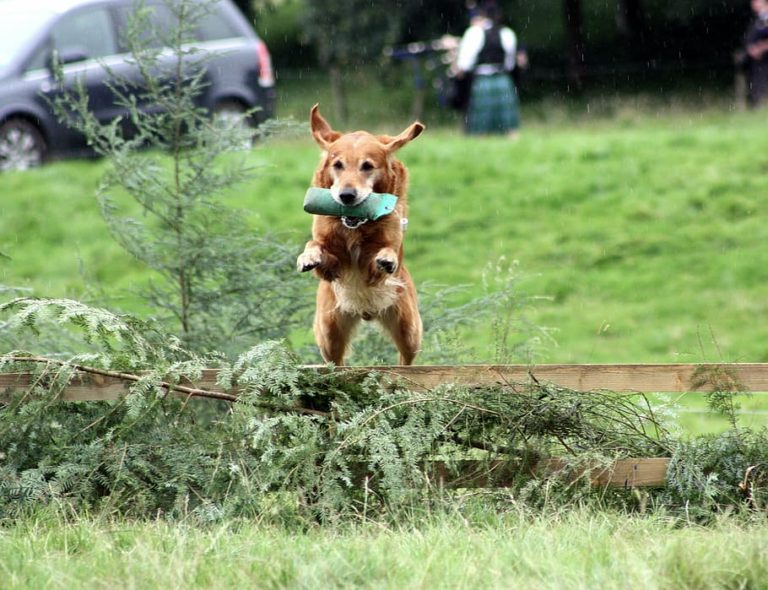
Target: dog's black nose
{"x":347,"y":195}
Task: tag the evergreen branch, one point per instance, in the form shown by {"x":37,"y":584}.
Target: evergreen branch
{"x":169,"y":387}
{"x":410,"y":402}
{"x":190,"y":391}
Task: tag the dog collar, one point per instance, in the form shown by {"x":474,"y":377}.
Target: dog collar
{"x":353,"y":222}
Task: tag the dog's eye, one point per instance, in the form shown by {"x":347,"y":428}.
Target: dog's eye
{"x":366,"y":167}
{"x":338,"y":165}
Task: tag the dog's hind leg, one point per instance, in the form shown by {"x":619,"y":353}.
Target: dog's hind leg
{"x":333,"y":327}
{"x":403,"y":322}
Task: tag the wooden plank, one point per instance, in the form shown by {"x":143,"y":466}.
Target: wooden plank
{"x":89,"y":387}
{"x":646,"y":378}
{"x":80,"y":388}
{"x":624,"y":473}
{"x":633,"y":473}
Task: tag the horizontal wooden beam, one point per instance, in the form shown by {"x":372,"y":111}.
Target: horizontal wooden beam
{"x":633,"y":473}
{"x":623,"y":473}
{"x":82,"y":387}
{"x":644,"y":378}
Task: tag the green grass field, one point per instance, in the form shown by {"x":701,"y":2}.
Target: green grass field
{"x":579,"y":549}
{"x":646,"y":234}
{"x":646,"y":237}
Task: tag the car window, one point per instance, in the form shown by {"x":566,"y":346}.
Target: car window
{"x":87,"y":31}
{"x":39,"y":59}
{"x":155,"y":35}
{"x":215,"y":25}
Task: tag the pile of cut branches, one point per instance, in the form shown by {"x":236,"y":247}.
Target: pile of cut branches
{"x":276,"y":440}
{"x":334,"y":443}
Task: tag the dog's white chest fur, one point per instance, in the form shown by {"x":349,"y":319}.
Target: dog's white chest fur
{"x":354,"y":295}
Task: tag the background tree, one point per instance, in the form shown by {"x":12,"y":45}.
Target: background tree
{"x":217,"y":284}
{"x":575,"y":49}
{"x":630,"y":43}
{"x":631,"y":20}
{"x":248,"y":9}
{"x":348,"y":34}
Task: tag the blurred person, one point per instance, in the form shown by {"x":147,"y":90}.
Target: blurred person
{"x":487,"y":52}
{"x":755,"y":60}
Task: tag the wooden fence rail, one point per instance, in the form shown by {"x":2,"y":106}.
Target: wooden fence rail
{"x":641,"y":378}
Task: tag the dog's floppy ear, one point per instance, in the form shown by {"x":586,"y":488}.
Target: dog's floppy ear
{"x":395,"y":143}
{"x":321,"y":130}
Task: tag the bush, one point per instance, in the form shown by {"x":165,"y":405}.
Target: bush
{"x":298,"y":445}
{"x":308,"y":444}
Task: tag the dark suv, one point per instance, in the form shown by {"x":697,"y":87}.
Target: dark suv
{"x":86,"y":37}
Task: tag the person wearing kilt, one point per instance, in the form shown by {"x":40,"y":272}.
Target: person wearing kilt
{"x":755,"y":60}
{"x":487,"y":53}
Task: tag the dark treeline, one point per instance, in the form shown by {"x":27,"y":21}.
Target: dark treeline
{"x":566,"y":38}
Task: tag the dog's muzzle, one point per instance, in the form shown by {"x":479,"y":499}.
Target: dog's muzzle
{"x":348,"y":196}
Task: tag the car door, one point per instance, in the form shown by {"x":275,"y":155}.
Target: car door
{"x":85,"y":41}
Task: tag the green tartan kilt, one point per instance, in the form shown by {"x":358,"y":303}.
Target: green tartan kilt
{"x":493,"y":105}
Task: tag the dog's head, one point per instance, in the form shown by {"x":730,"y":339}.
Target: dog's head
{"x":359,"y":163}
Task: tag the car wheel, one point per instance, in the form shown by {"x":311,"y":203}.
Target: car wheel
{"x":232,"y":113}
{"x":22,"y":146}
{"x":232,"y":116}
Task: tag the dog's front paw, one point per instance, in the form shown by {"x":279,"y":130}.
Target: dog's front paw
{"x":387,"y":265}
{"x":386,"y":261}
{"x":309,"y":259}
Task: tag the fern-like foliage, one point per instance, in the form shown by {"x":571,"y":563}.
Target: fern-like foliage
{"x":300,"y":445}
{"x":118,"y":341}
{"x":318,"y":444}
{"x":712,"y":473}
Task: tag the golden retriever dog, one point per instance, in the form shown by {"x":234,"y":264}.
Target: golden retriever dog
{"x":360,"y":263}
